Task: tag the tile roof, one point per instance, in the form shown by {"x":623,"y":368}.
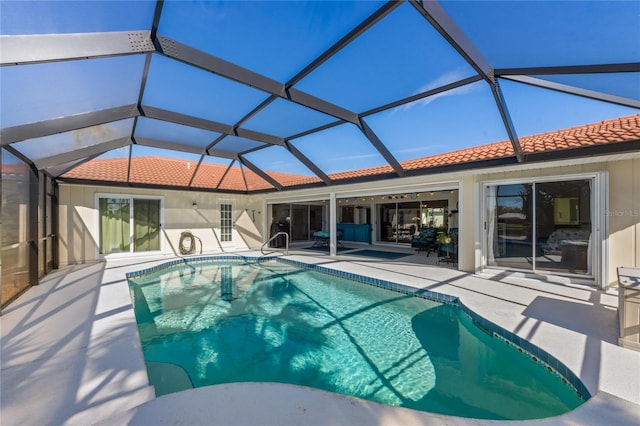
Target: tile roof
{"x":175,"y":172}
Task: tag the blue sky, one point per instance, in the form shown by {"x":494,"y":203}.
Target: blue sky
{"x":399,"y":57}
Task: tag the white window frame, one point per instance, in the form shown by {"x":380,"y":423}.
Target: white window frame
{"x":131,"y":252}
{"x":599,"y":223}
{"x":232,"y":226}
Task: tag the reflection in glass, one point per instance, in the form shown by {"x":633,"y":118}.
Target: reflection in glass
{"x":146,"y":219}
{"x":299,"y":222}
{"x":114,"y":225}
{"x":563,"y":226}
{"x":510,"y":226}
{"x":561,"y":239}
{"x":399,"y":222}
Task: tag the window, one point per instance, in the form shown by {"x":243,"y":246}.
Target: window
{"x":129,"y":224}
{"x":226,"y":222}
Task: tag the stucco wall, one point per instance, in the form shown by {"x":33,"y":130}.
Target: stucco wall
{"x":624,"y":215}
{"x":78,"y":232}
{"x":78,"y":227}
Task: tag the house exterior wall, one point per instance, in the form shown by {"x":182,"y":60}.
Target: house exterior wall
{"x":79,"y":228}
{"x":624,"y":215}
{"x":78,"y":220}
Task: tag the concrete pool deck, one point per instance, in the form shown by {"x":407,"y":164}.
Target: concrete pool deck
{"x":70,"y":352}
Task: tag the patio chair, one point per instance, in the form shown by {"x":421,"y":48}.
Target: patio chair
{"x":425,"y":240}
{"x":320,"y":239}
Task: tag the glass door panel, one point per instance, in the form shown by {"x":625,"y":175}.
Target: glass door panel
{"x":408,"y":221}
{"x":114,"y":225}
{"x":316,"y":222}
{"x":387,"y":221}
{"x":146,"y":219}
{"x":299,"y":223}
{"x":563,"y":226}
{"x":510,"y":226}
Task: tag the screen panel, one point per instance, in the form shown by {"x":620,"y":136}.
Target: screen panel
{"x":39,"y":92}
{"x":422,"y":128}
{"x":161,"y":167}
{"x":112,"y":166}
{"x":398,"y":57}
{"x":535,"y":110}
{"x":339,"y":149}
{"x":172,"y":132}
{"x":185,"y":89}
{"x":550,"y":33}
{"x":284,"y":118}
{"x":49,"y":17}
{"x":276,"y":39}
{"x":281,"y":165}
{"x":76,"y":139}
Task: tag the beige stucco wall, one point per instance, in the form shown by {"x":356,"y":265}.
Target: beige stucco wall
{"x":78,"y":227}
{"x":624,"y":215}
{"x":78,"y":220}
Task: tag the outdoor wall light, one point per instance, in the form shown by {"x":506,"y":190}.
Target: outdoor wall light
{"x":194,"y":205}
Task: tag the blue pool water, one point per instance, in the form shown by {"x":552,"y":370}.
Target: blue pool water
{"x":212,"y":323}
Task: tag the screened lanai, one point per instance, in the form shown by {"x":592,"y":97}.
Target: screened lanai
{"x":292,"y":93}
{"x":260,"y":97}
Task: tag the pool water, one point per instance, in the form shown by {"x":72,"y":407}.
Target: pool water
{"x":216,"y":323}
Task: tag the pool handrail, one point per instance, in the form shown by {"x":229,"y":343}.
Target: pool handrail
{"x":286,"y":249}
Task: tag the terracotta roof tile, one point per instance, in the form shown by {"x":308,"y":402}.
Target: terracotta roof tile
{"x":174,"y":172}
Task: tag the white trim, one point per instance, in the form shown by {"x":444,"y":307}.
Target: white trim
{"x":479,"y":231}
{"x":601,"y":188}
{"x":230,"y":202}
{"x":130,"y":197}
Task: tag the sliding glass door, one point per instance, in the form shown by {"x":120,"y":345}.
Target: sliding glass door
{"x":398,"y":221}
{"x":510,"y":226}
{"x":115,"y":228}
{"x":146,"y":219}
{"x":540,"y":226}
{"x":116,"y":217}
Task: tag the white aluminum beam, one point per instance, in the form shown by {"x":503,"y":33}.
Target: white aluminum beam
{"x":35,"y":48}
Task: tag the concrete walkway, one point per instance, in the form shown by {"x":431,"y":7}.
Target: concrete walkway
{"x":70,"y":352}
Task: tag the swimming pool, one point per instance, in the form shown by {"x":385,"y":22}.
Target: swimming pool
{"x":210,"y":322}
